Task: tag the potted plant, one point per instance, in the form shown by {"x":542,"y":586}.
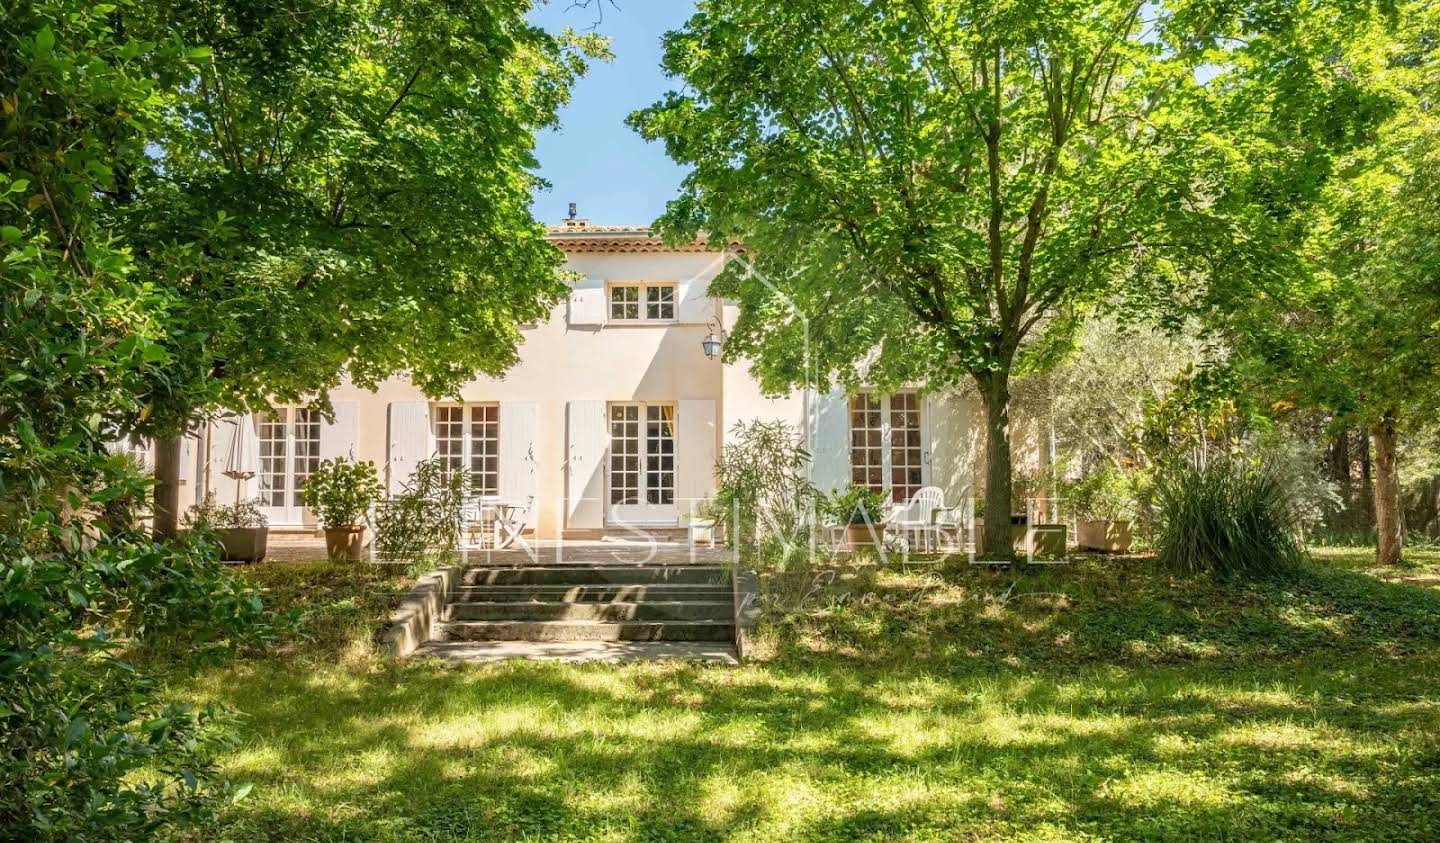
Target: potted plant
{"x":862,"y":511}
{"x":1103,"y":504}
{"x":340,"y":492}
{"x":242,"y":529}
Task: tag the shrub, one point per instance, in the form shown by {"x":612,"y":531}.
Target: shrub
{"x":856,"y":505}
{"x":89,"y":750}
{"x":762,"y":483}
{"x":422,"y":523}
{"x":210,"y":515}
{"x":1227,"y":518}
{"x":341,"y":491}
{"x":1106,"y":494}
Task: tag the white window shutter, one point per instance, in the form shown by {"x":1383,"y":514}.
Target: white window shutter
{"x":337,"y":438}
{"x":694,"y":453}
{"x":189,"y":453}
{"x":929,"y":406}
{"x":831,"y":461}
{"x":517,"y":456}
{"x":588,"y":441}
{"x":696,"y":305}
{"x":409,"y":441}
{"x":946,"y":431}
{"x":587,"y":306}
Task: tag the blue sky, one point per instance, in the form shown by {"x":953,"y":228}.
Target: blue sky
{"x":593,"y":159}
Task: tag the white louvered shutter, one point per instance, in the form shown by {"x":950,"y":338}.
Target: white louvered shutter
{"x":695,"y":453}
{"x":587,"y":440}
{"x":831,"y":469}
{"x":409,"y":441}
{"x":518,"y":434}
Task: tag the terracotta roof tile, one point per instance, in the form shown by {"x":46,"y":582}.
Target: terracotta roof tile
{"x":581,"y":235}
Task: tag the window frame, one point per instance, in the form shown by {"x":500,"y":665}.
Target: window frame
{"x":295,"y":467}
{"x":885,"y":432}
{"x":642,"y":302}
{"x":477,"y":480}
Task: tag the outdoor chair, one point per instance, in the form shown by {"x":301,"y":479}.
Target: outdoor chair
{"x":916,"y":517}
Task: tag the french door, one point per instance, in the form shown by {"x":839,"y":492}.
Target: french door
{"x":289,"y":453}
{"x":642,"y":464}
{"x":886,"y":453}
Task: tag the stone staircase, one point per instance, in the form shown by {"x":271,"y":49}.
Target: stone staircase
{"x":584,"y":612}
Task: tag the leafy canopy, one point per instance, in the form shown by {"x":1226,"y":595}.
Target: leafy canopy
{"x":943,"y":188}
{"x":347,"y":189}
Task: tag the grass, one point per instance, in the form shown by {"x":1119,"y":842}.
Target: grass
{"x":1098,"y":701}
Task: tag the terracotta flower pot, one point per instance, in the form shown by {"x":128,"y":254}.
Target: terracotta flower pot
{"x":345,"y":544}
{"x":243,"y":544}
{"x":864,"y":535}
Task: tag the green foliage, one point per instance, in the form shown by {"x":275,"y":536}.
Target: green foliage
{"x":1227,"y":518}
{"x":1106,"y":494}
{"x":762,"y":485}
{"x":211,"y":515}
{"x":341,"y":491}
{"x":856,"y":505}
{"x":365,"y":205}
{"x":88,"y":747}
{"x":422,"y":523}
{"x":939,"y":192}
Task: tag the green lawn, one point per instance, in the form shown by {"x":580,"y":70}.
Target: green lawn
{"x":1097,"y":701}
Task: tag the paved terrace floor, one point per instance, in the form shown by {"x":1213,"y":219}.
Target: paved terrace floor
{"x":626,"y":551}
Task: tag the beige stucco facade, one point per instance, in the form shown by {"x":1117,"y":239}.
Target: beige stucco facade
{"x":557,"y":413}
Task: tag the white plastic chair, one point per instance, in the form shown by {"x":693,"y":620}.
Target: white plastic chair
{"x":917,"y":515}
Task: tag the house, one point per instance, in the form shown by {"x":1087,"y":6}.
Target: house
{"x":613,"y":417}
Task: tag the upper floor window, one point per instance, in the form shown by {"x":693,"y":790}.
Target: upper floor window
{"x":642,"y":302}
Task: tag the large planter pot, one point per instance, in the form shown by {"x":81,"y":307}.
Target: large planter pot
{"x":345,"y":544}
{"x":1104,"y":536}
{"x":243,"y":544}
{"x":864,"y":535}
{"x":1017,"y":536}
{"x":1047,"y":541}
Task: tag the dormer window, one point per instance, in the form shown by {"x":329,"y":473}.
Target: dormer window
{"x":636,"y":301}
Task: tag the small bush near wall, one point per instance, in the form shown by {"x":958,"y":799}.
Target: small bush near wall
{"x":762,"y":487}
{"x":1227,"y":518}
{"x":422,"y":523}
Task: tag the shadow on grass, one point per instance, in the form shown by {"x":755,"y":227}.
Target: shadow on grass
{"x":1094,"y":701}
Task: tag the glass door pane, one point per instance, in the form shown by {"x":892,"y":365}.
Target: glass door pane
{"x":642,"y":464}
{"x":273,"y":479}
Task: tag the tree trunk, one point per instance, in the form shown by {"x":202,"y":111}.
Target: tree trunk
{"x":1389,"y":525}
{"x":995,"y":388}
{"x":1338,"y":463}
{"x":167,"y":488}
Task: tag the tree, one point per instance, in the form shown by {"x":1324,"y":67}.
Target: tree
{"x":343,"y":192}
{"x":944,"y":188}
{"x":1355,"y":336}
{"x":90,"y":749}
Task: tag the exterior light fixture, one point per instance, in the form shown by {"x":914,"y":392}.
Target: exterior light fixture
{"x":714,"y":341}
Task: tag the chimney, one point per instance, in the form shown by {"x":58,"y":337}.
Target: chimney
{"x":572,"y":211}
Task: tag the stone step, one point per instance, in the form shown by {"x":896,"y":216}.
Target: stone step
{"x":593,"y":593}
{"x":567,"y":630}
{"x":666,"y":610}
{"x":598,"y":575}
{"x":489,"y":652}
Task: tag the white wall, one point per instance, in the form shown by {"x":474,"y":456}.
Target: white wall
{"x":560,"y":363}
